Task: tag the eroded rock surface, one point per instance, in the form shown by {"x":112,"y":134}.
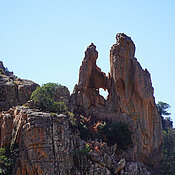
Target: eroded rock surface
{"x":134,"y":92}
{"x":62,"y":94}
{"x":44,"y":141}
{"x":91,"y":78}
{"x":4,"y":70}
{"x":14,"y":91}
{"x":130,"y":98}
{"x":135,"y":168}
{"x":46,"y":144}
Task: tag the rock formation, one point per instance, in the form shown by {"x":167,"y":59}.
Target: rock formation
{"x":130,"y":98}
{"x":4,"y":70}
{"x":62,"y":94}
{"x":91,"y":78}
{"x":134,"y":92}
{"x":14,"y":91}
{"x":48,"y":143}
{"x":44,"y":143}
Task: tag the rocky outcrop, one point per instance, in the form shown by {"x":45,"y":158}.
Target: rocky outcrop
{"x":134,"y":92}
{"x":91,"y":78}
{"x":48,"y":143}
{"x":135,"y":168}
{"x":130,"y":98}
{"x":14,"y":91}
{"x":62,"y":94}
{"x":4,"y":70}
{"x":45,"y":143}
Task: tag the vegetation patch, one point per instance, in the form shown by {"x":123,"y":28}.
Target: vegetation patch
{"x":6,"y":161}
{"x":168,"y":147}
{"x":168,"y":160}
{"x":2,"y":72}
{"x":108,"y":131}
{"x":81,"y":159}
{"x":25,"y":106}
{"x":115,"y":132}
{"x":44,"y":98}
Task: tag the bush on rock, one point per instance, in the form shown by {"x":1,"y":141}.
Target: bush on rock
{"x":44,"y":97}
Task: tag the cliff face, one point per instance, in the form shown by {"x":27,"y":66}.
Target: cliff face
{"x":130,"y":98}
{"x":134,"y":92}
{"x":14,"y":91}
{"x":45,"y":143}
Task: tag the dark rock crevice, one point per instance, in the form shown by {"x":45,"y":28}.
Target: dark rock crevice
{"x":53,"y":143}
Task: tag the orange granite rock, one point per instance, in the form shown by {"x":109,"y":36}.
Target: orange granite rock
{"x":14,"y":91}
{"x":130,"y":99}
{"x":134,"y":92}
{"x":91,"y":79}
{"x":44,"y":143}
{"x":43,"y":140}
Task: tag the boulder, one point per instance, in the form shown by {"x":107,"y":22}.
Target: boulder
{"x":62,"y":94}
{"x":135,"y":168}
{"x":14,"y":91}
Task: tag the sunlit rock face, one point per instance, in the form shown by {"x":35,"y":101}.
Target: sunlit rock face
{"x":44,"y":143}
{"x":135,"y":96}
{"x":47,"y":143}
{"x":91,"y":78}
{"x":13,"y":90}
{"x":130,"y":96}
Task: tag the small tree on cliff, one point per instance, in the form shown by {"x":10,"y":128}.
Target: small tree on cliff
{"x":162,"y":108}
{"x":168,"y":146}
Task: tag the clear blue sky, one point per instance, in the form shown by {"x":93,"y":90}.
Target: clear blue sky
{"x":45,"y":40}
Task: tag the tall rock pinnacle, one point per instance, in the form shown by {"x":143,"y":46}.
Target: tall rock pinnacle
{"x":130,"y":98}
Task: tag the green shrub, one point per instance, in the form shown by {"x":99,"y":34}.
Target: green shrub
{"x":5,"y":161}
{"x":44,"y":97}
{"x":115,"y":132}
{"x":59,"y":107}
{"x":84,"y":151}
{"x":108,"y":131}
{"x":81,"y":159}
{"x":2,"y":72}
{"x":25,"y":106}
{"x":85,"y":132}
{"x":168,"y":161}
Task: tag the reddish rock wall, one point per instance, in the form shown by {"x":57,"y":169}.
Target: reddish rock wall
{"x":44,"y":143}
{"x":91,"y":78}
{"x":130,"y":98}
{"x":134,"y":92}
